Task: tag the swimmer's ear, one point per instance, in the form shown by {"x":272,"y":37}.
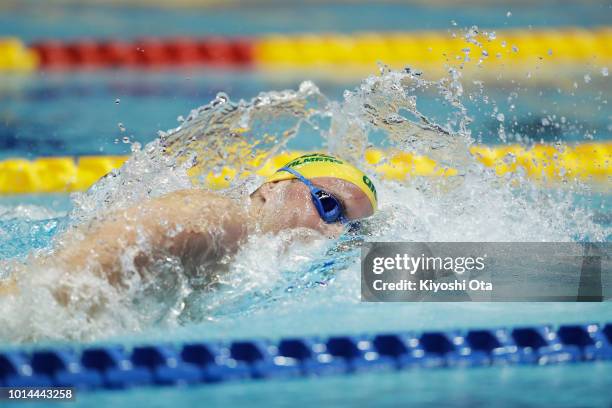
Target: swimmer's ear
{"x":267,"y":190}
{"x":263,"y":191}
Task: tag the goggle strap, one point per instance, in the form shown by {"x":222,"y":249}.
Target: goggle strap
{"x":300,"y":177}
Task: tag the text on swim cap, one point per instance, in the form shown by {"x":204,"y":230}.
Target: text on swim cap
{"x":315,"y":158}
{"x":368,"y":182}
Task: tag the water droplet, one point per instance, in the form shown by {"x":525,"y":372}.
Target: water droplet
{"x":135,"y":147}
{"x":49,"y":226}
{"x":453,"y":22}
{"x":492,"y":36}
{"x":180,"y":119}
{"x":485,"y":53}
{"x":509,"y":158}
{"x":545,"y":122}
{"x":503,"y":44}
{"x":121,"y":127}
{"x":117,"y":101}
{"x":604,"y":71}
{"x":509,"y":14}
{"x":514,"y":48}
{"x":125,"y":139}
{"x":500,"y":117}
{"x":221,"y":98}
{"x":587,"y":78}
{"x":549,"y":52}
{"x":471,"y":35}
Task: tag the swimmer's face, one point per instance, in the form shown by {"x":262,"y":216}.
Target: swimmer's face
{"x":287,"y":204}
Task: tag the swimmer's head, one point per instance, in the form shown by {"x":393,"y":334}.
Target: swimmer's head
{"x":286,"y":200}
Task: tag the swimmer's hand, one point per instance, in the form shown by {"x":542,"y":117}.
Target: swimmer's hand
{"x":197,"y":227}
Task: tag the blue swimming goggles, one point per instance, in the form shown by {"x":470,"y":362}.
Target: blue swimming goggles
{"x":329,"y":208}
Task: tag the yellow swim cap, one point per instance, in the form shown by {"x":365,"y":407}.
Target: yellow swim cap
{"x":321,"y":165}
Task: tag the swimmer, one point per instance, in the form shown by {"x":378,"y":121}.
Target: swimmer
{"x":202,"y":229}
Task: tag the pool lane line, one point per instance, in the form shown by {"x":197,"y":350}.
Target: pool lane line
{"x":509,"y":49}
{"x":546,"y":164}
{"x":209,"y":362}
{"x":15,"y":56}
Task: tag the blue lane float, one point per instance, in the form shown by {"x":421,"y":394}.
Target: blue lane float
{"x":116,"y":367}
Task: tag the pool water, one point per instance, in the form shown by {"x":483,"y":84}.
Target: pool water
{"x":91,"y":113}
{"x":33,"y":21}
{"x":310,"y":289}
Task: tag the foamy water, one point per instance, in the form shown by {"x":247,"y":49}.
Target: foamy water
{"x":283,"y":270}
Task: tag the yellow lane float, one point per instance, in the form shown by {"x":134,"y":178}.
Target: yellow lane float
{"x":15,"y":56}
{"x":589,"y":162}
{"x":432,"y":51}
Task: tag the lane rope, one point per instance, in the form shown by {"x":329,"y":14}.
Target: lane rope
{"x":432,"y":51}
{"x":119,"y":367}
{"x":541,"y":48}
{"x":546,"y":164}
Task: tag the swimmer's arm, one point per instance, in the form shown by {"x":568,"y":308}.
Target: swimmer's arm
{"x":196,"y":226}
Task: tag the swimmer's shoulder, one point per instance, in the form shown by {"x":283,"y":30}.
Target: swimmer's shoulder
{"x":198,"y":210}
{"x":195,"y":197}
{"x":198,"y":204}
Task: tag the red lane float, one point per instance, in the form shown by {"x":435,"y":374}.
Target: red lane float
{"x":146,"y":52}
